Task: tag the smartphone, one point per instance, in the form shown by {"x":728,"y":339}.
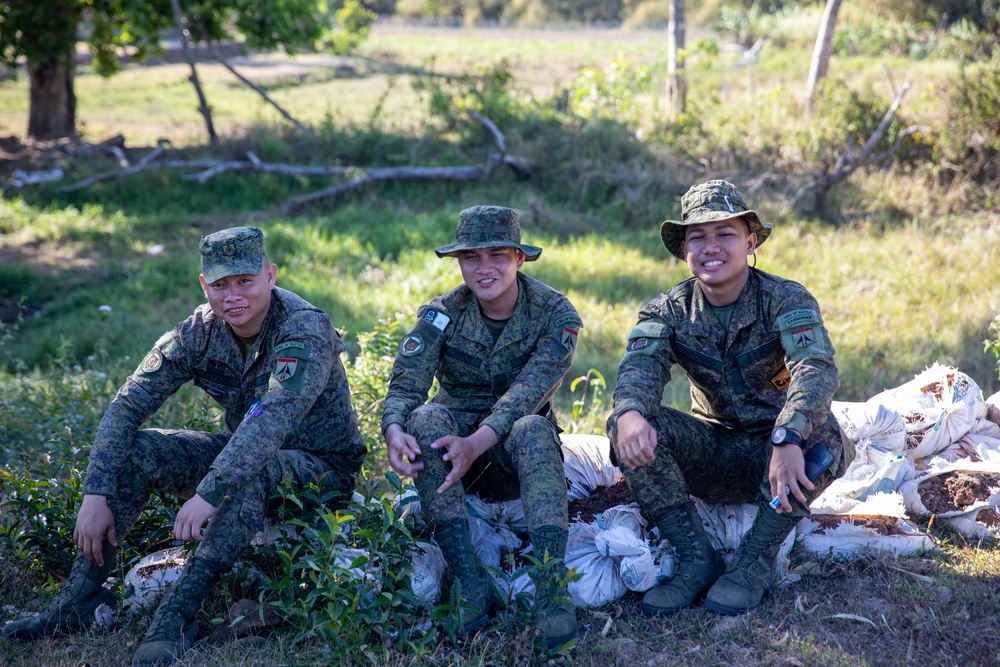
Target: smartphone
{"x":818,"y":460}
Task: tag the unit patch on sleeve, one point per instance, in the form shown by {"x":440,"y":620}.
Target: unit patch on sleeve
{"x":412,"y":344}
{"x":782,"y":379}
{"x":568,"y":340}
{"x":285,"y":368}
{"x":152,"y":361}
{"x":436,"y":318}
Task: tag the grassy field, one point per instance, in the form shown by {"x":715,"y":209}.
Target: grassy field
{"x":907,"y":275}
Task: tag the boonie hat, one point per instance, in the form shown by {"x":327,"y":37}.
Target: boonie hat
{"x":710,"y":202}
{"x":488,"y":227}
{"x":237,"y":251}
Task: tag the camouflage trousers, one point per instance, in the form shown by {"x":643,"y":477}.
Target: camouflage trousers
{"x":174,"y":462}
{"x":527,"y":464}
{"x":717,"y":465}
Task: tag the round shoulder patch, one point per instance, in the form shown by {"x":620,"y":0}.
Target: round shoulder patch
{"x":152,"y":362}
{"x":411,"y":345}
{"x":637,"y":344}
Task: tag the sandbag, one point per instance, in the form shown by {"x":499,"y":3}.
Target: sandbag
{"x":587,"y":464}
{"x":149,"y":579}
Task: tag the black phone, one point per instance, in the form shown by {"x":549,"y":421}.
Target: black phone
{"x":818,"y":460}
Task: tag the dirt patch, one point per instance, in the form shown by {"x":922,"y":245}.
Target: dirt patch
{"x":603,"y":498}
{"x":954,"y":491}
{"x":883,"y":525}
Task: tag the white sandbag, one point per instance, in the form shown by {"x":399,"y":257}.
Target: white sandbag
{"x":427,"y":574}
{"x":489,"y":535}
{"x":599,"y":581}
{"x":981,"y":443}
{"x":624,"y":516}
{"x":963,"y":520}
{"x":939,"y":404}
{"x":587,"y":464}
{"x":872,"y":426}
{"x":993,"y":408}
{"x":149,"y":579}
{"x":849,"y":540}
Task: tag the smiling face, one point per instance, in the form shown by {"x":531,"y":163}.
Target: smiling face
{"x":243,"y":300}
{"x":491,"y":274}
{"x":716,"y":253}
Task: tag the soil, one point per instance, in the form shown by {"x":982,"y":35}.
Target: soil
{"x":603,"y":498}
{"x":883,"y":525}
{"x":954,"y":491}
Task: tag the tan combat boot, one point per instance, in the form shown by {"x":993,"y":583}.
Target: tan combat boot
{"x":73,"y":608}
{"x":555,"y":613}
{"x":477,"y":590}
{"x":751,"y":572}
{"x":173,"y":631}
{"x":698,"y":564}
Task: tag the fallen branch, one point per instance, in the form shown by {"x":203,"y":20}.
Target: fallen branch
{"x":208,"y":168}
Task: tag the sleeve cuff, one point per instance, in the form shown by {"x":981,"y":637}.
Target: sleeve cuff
{"x":389,"y":420}
{"x":210,"y":490}
{"x":499,"y":425}
{"x":621,"y":407}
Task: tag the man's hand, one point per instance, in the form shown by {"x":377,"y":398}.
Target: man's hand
{"x":788,"y":470}
{"x":461,"y":452}
{"x":636,"y":440}
{"x":400,"y":444}
{"x":93,"y":522}
{"x":191,"y":517}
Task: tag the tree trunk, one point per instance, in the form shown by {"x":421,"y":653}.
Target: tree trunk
{"x":203,"y":108}
{"x":52,"y":106}
{"x":676,"y":83}
{"x":824,"y":45}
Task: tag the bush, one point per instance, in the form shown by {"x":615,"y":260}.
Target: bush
{"x":972,"y":139}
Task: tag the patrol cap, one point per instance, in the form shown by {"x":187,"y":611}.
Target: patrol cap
{"x":488,"y":227}
{"x":710,"y":202}
{"x":236,"y":251}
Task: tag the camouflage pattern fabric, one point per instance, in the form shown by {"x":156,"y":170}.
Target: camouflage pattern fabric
{"x":489,"y":227}
{"x":773,"y":367}
{"x":506,"y":386}
{"x":174,"y":462}
{"x":290,"y":394}
{"x":527,"y":464}
{"x":504,"y":381}
{"x":237,"y":251}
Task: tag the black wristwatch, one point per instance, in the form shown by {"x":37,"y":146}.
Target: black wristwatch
{"x":782,"y":436}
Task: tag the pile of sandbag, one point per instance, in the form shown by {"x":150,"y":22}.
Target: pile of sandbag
{"x":929,"y":446}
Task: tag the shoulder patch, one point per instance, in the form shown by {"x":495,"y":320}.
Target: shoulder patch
{"x":568,"y":318}
{"x":152,"y":361}
{"x":289,"y":344}
{"x":797,"y":318}
{"x":411,"y":345}
{"x":436,"y":318}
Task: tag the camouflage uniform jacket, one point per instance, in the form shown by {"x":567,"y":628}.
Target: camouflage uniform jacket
{"x":774,"y":367}
{"x":293,"y":370}
{"x":503,"y":382}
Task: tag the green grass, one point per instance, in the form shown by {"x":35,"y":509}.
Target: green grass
{"x":907,"y":275}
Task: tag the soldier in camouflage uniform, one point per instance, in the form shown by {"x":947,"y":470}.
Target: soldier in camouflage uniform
{"x":271,"y":360}
{"x":499,"y":346}
{"x":762,"y":378}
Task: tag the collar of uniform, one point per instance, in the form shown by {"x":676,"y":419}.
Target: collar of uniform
{"x":705,"y":323}
{"x":474,"y":326}
{"x":517,"y":326}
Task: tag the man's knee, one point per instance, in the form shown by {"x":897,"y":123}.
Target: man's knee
{"x":430,"y":420}
{"x":533,"y":436}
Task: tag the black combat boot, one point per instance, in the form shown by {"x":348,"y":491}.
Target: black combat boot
{"x":478,"y":599}
{"x":555,"y":613}
{"x":173,"y":631}
{"x":751,"y":572}
{"x":698,"y":564}
{"x":73,"y":609}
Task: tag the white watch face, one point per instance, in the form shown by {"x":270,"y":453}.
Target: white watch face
{"x":778,"y":436}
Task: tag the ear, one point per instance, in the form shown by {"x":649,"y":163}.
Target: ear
{"x":204,"y":285}
{"x":751,"y":243}
{"x":520,"y":257}
{"x":272,"y":275}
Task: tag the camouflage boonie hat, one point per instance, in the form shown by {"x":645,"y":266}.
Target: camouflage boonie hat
{"x":711,"y":202}
{"x":488,"y":227}
{"x":238,"y":251}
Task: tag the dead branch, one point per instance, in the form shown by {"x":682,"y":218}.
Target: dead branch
{"x":208,"y":168}
{"x":260,"y":91}
{"x":849,"y":162}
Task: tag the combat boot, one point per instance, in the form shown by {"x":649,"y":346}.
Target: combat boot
{"x":73,"y":608}
{"x":478,"y":599}
{"x":751,"y":572}
{"x":173,"y":631}
{"x":698,"y":564}
{"x":555,"y":613}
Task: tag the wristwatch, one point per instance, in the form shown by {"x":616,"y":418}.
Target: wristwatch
{"x":782,"y":436}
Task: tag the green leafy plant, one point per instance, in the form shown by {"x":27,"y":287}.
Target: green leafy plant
{"x":992,"y":344}
{"x":588,"y":413}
